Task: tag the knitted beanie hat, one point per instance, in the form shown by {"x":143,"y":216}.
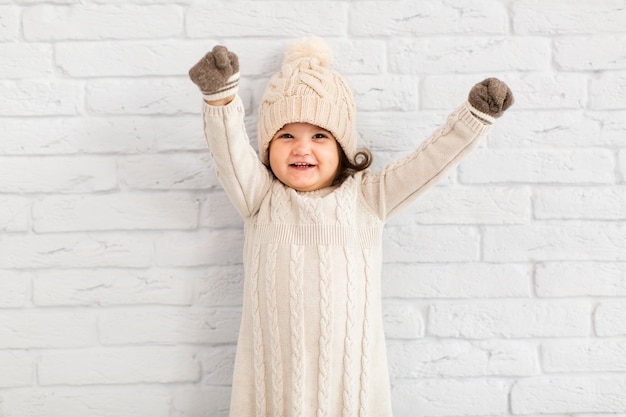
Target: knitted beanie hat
{"x":307,"y":90}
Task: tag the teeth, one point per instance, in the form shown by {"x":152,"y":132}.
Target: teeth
{"x":302,"y":165}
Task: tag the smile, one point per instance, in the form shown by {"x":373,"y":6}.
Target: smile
{"x":301,"y":165}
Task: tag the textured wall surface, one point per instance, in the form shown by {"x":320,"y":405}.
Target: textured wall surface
{"x":120,"y":256}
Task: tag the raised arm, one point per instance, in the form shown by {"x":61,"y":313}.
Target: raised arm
{"x":400,"y":182}
{"x":244,"y":178}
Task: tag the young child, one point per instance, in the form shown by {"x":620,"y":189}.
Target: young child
{"x":311,"y":341}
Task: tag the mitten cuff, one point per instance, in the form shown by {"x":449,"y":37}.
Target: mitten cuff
{"x":230,"y":89}
{"x":481,"y":115}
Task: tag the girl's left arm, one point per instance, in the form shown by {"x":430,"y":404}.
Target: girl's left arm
{"x":402,"y":181}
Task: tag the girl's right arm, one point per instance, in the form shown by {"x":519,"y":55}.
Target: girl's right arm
{"x":241,"y":173}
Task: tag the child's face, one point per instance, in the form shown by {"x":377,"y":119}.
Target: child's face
{"x":304,"y":157}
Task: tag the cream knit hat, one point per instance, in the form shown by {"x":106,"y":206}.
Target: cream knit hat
{"x":307,"y":90}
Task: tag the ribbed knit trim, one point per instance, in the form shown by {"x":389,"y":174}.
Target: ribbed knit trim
{"x":230,"y":88}
{"x":315,"y":234}
{"x":484,"y":116}
{"x":235,"y":106}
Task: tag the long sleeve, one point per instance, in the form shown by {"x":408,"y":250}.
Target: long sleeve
{"x":239,"y":170}
{"x":401,"y":181}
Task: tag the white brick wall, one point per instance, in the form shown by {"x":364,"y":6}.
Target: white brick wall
{"x":120,"y":264}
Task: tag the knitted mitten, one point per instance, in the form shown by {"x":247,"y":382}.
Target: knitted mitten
{"x":489,"y":99}
{"x":217,"y":74}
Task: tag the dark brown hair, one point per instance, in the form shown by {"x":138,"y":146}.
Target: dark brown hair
{"x":362,"y":160}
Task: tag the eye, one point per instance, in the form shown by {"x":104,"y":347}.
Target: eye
{"x":320,"y":136}
{"x":285,"y":136}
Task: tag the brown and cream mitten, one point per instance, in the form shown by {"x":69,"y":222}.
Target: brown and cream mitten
{"x":217,"y":74}
{"x":489,"y":99}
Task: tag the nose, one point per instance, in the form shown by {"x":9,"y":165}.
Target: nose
{"x":301,"y":147}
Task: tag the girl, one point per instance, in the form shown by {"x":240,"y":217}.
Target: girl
{"x":311,"y":341}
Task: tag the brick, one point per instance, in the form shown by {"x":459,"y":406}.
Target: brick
{"x":14,"y":214}
{"x":115,"y":212}
{"x":613,"y":125}
{"x":76,"y":250}
{"x":510,"y":319}
{"x":359,"y":56}
{"x":439,"y":398}
{"x":379,"y":93}
{"x":218,"y":286}
{"x":124,"y":58}
{"x":532,"y":91}
{"x":569,"y":394}
{"x":402,"y":320}
{"x":182,"y":171}
{"x":17,"y":369}
{"x":201,"y":401}
{"x":118,"y":366}
{"x":87,"y":402}
{"x":608,"y":92}
{"x":563,"y":18}
{"x":15,"y":288}
{"x":400,"y":132}
{"x":94,"y":22}
{"x":442,"y":55}
{"x":219,"y":247}
{"x":599,"y":53}
{"x":168,"y":325}
{"x":27,"y":60}
{"x":553,"y":129}
{"x":39,"y":174}
{"x":601,"y":203}
{"x":218,"y":212}
{"x":521,"y":166}
{"x":461,"y":359}
{"x":35,"y":328}
{"x":9,"y":23}
{"x":556,"y":242}
{"x":609,"y":319}
{"x":580,"y":279}
{"x":108,"y":287}
{"x":434,"y":244}
{"x":549,"y":91}
{"x":271,"y":18}
{"x":584,"y":356}
{"x":463,"y":280}
{"x":128,"y":135}
{"x":166,"y":96}
{"x":217,"y":365}
{"x":406,"y":18}
{"x":40,"y":97}
{"x":469,"y":206}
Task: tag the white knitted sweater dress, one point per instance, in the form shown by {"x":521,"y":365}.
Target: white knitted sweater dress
{"x":311,"y":342}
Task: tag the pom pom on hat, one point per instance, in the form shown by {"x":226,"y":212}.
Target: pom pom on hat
{"x":307,"y":90}
{"x":313,"y":48}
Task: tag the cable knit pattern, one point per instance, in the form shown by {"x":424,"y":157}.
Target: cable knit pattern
{"x":313,"y":263}
{"x":274,"y":333}
{"x":345,"y":206}
{"x":297,"y":328}
{"x":326,"y":310}
{"x":259,"y":363}
{"x":365,"y":357}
